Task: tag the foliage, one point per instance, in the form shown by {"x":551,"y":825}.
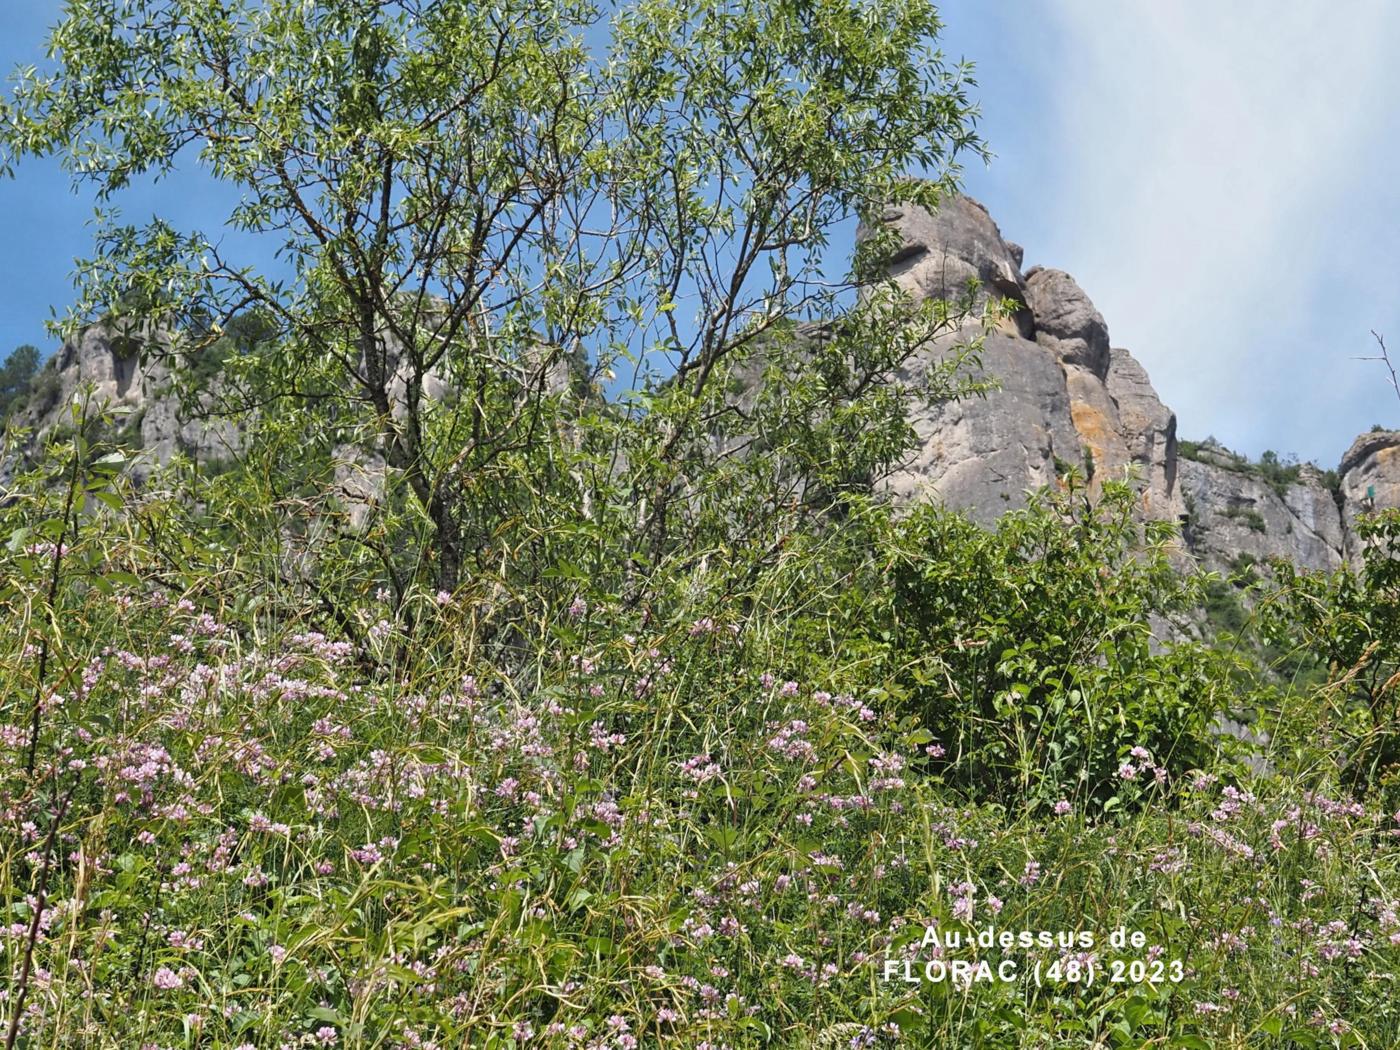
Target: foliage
{"x":714,"y":818}
{"x":1225,"y":612}
{"x":1278,"y":472}
{"x":243,"y":334}
{"x":1252,"y":518}
{"x":16,"y":374}
{"x":476,"y":196}
{"x":613,"y":716}
{"x":1017,"y":644}
{"x":1349,"y":622}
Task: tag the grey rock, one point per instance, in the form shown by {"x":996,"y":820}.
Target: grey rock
{"x":169,"y":427}
{"x":982,"y":455}
{"x":129,"y":373}
{"x":1232,"y":513}
{"x":941,"y":253}
{"x":1066,"y":320}
{"x":359,"y":480}
{"x":1067,"y":398}
{"x":104,"y":355}
{"x":1061,"y":402}
{"x":1370,"y":480}
{"x":1149,"y":432}
{"x":1369,"y":450}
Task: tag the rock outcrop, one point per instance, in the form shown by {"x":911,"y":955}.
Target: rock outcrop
{"x":1066,"y":322}
{"x":1369,"y":480}
{"x":134,"y":374}
{"x":1064,"y":397}
{"x":151,"y":416}
{"x":1067,"y":397}
{"x":982,"y":455}
{"x":1234,"y":515}
{"x":941,"y":255}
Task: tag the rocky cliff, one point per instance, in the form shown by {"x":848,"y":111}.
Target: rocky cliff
{"x":1067,"y":397}
{"x":134,"y":374}
{"x":150,"y":416}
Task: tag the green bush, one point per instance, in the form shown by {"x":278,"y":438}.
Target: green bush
{"x":623,"y":719}
{"x":1349,"y":623}
{"x":1028,"y":652}
{"x":1252,"y":518}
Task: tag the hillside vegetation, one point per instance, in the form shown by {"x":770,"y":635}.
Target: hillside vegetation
{"x":623,"y":709}
{"x":699,"y":802}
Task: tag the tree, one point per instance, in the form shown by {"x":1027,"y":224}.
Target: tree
{"x":468,"y":195}
{"x":15,"y":374}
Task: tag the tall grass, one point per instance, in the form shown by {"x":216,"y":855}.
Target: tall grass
{"x":713,"y":821}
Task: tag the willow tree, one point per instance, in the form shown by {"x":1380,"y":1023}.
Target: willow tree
{"x":462,"y":193}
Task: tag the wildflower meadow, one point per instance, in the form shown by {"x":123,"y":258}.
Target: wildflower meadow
{"x":511,"y":641}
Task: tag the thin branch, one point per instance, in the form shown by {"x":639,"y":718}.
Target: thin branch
{"x":1384,"y":358}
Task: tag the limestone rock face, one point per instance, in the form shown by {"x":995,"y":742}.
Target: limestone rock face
{"x":1068,"y":398}
{"x":940,"y":253}
{"x":1149,"y":430}
{"x":1066,"y":322}
{"x":102,"y":355}
{"x":358,"y":476}
{"x":1230,"y":513}
{"x":109,"y":357}
{"x":982,"y":455}
{"x":158,"y":421}
{"x":1095,"y":417}
{"x":167,"y":427}
{"x":1063,"y":397}
{"x":1370,"y":479}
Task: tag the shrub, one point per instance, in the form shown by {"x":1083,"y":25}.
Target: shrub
{"x":1349,"y":623}
{"x":1028,"y":652}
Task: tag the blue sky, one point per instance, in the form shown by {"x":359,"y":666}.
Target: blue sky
{"x":1220,"y":178}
